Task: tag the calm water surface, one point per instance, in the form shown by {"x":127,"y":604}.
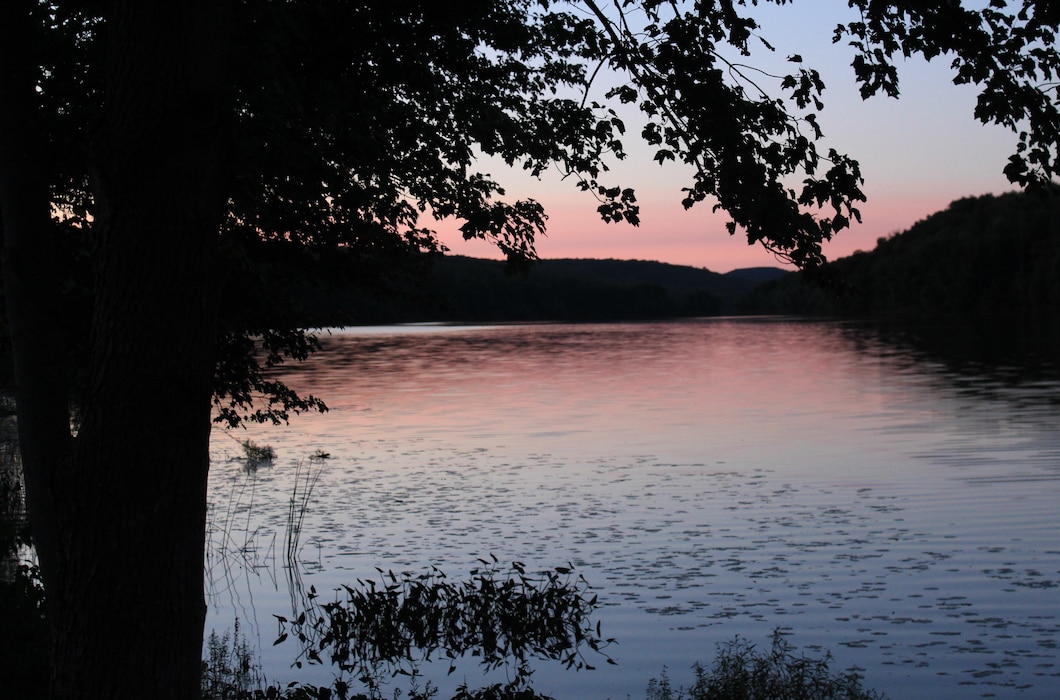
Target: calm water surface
{"x":710,"y":478}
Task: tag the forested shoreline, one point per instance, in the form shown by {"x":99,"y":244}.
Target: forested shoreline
{"x":990,"y":258}
{"x":462,"y":289}
{"x":987,"y":259}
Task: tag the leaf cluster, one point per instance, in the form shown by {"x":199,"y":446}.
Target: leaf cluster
{"x":744,"y":133}
{"x":749,"y":136}
{"x":354,"y":119}
{"x":1008,"y":50}
{"x":244,"y":388}
{"x":504,"y":619}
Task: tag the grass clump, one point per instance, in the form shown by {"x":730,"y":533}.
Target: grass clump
{"x":741,"y":671}
{"x":255,"y":455}
{"x":229,"y":671}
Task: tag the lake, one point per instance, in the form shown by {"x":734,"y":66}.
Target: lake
{"x":871,"y":497}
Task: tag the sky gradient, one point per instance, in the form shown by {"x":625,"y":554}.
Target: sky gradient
{"x":917,"y":154}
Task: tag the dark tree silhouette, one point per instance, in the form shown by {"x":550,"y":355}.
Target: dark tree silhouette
{"x":160,"y":160}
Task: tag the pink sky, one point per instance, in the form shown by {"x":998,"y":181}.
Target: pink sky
{"x":917,"y":154}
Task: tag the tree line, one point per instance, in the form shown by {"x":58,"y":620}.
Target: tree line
{"x":991,"y":258}
{"x":462,"y":289}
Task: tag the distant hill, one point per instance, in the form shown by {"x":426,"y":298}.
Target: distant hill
{"x":986,"y":258}
{"x":758,"y":275}
{"x":470,"y":289}
{"x":463,"y":289}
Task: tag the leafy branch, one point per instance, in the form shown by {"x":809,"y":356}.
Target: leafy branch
{"x":742,"y":143}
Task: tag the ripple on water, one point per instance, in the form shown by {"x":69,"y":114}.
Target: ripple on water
{"x":868,"y":573}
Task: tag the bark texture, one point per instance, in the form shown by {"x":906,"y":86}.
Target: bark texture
{"x":31,"y":284}
{"x":119,"y":511}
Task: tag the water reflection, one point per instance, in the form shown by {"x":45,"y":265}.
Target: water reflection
{"x":992,"y":361}
{"x":713,"y":478}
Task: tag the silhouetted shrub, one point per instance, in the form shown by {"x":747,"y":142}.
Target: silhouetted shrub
{"x":741,"y":671}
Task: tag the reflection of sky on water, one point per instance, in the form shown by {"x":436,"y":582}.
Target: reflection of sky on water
{"x":590,"y":386}
{"x":710,"y":478}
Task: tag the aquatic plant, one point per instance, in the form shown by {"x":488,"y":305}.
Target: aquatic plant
{"x":229,"y":669}
{"x":305,"y":481}
{"x":742,"y":671}
{"x":500,"y":618}
{"x":256,"y":455}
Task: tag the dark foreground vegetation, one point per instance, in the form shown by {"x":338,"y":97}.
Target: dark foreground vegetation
{"x":741,"y":670}
{"x":378,"y":632}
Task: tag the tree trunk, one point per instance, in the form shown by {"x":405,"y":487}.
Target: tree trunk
{"x":119,"y":515}
{"x":31,"y":285}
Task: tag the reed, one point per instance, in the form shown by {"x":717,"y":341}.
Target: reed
{"x":305,"y":481}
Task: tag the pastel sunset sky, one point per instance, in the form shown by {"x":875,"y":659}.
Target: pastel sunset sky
{"x":917,"y":154}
